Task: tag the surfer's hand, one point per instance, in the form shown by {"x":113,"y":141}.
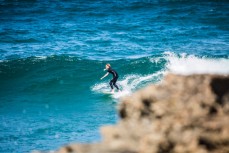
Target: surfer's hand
{"x":101,"y":78}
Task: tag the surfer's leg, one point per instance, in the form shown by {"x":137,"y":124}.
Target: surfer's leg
{"x":111,"y":84}
{"x":114,"y":83}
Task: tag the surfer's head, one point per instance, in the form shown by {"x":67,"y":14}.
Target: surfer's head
{"x":108,"y":66}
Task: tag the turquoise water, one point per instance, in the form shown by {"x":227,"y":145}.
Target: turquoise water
{"x":52,"y":56}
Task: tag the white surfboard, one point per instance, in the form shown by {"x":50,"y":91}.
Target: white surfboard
{"x":108,"y":92}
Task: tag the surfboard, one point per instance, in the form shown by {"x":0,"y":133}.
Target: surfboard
{"x":108,"y":92}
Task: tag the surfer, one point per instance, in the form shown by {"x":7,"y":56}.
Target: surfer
{"x":115,"y":77}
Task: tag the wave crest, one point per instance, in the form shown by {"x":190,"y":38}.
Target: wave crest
{"x":190,"y":64}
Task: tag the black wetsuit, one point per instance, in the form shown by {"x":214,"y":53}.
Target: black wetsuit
{"x":115,"y":78}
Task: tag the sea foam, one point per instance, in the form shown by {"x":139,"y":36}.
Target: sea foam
{"x":128,"y":84}
{"x":190,"y":64}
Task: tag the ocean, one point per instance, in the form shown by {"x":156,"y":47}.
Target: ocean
{"x":52,"y":56}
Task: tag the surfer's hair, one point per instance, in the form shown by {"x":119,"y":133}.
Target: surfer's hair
{"x":108,"y":65}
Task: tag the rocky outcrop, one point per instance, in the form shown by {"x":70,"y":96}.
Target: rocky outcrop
{"x":182,"y":114}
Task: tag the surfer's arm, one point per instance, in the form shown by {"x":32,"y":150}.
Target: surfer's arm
{"x":104,"y":75}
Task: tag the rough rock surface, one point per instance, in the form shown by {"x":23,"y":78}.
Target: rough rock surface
{"x":182,"y":114}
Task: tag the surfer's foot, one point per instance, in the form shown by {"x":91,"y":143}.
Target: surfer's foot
{"x":112,"y":91}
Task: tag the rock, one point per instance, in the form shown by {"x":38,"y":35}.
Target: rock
{"x":183,"y":114}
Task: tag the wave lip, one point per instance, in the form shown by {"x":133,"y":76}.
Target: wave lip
{"x":189,"y":64}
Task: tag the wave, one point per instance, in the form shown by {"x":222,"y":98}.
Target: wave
{"x":135,"y":65}
{"x":189,"y":64}
{"x":69,"y":74}
{"x":183,"y":64}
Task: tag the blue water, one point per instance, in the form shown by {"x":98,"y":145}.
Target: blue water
{"x":52,"y":55}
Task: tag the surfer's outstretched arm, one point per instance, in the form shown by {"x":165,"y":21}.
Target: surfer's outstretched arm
{"x":105,"y":75}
